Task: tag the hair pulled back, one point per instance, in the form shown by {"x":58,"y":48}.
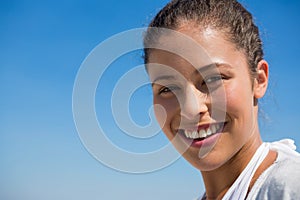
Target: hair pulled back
{"x":227,"y":16}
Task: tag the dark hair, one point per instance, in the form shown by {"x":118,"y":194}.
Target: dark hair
{"x":228,"y":16}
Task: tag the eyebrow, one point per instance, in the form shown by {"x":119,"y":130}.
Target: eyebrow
{"x":199,"y":70}
{"x":212,"y":66}
{"x":164,"y":77}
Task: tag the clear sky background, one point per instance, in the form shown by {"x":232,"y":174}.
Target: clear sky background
{"x":43,"y":44}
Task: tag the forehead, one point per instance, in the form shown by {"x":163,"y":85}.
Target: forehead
{"x":212,"y":47}
{"x":163,"y":63}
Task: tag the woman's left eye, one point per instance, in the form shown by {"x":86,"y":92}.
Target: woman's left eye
{"x":213,"y":79}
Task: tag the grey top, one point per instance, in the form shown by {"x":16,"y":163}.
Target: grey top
{"x":280,"y":181}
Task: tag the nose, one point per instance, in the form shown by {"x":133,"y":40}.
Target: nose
{"x":193,"y":103}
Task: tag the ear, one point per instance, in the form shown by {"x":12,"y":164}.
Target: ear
{"x":261,"y":81}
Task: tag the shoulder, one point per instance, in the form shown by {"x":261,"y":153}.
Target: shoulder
{"x":280,"y":180}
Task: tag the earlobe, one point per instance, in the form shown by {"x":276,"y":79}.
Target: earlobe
{"x":261,"y":80}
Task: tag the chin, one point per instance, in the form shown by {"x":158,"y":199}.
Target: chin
{"x":208,"y":163}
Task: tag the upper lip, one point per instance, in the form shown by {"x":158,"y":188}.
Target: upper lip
{"x":198,"y":127}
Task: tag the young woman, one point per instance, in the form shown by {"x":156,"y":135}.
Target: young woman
{"x":205,"y":60}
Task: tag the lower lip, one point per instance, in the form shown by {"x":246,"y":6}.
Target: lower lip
{"x":207,"y":142}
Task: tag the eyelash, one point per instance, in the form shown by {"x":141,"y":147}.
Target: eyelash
{"x":209,"y":80}
{"x":214,"y":79}
{"x":168,"y":89}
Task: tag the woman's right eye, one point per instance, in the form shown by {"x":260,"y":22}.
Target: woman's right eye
{"x":164,"y":90}
{"x":168,"y":90}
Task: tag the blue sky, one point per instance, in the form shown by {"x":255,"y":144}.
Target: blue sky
{"x":43,"y":44}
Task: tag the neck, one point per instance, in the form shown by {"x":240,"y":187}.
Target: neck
{"x":218,"y":181}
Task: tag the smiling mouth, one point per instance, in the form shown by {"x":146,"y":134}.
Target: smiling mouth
{"x":203,"y":132}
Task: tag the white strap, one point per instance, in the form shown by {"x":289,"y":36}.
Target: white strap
{"x":239,"y":188}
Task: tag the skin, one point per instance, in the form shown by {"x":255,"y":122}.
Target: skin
{"x":188,"y":104}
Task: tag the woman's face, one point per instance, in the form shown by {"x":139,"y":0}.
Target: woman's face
{"x":204,"y":109}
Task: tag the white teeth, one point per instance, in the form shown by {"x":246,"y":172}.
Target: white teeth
{"x":186,"y":134}
{"x":213,"y":128}
{"x":202,"y":133}
{"x":208,"y":131}
{"x":191,"y":134}
{"x":194,"y":134}
{"x":218,"y":126}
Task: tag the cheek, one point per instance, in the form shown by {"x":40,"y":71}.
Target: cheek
{"x":165,"y":111}
{"x":239,"y":100}
{"x":233,"y":100}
